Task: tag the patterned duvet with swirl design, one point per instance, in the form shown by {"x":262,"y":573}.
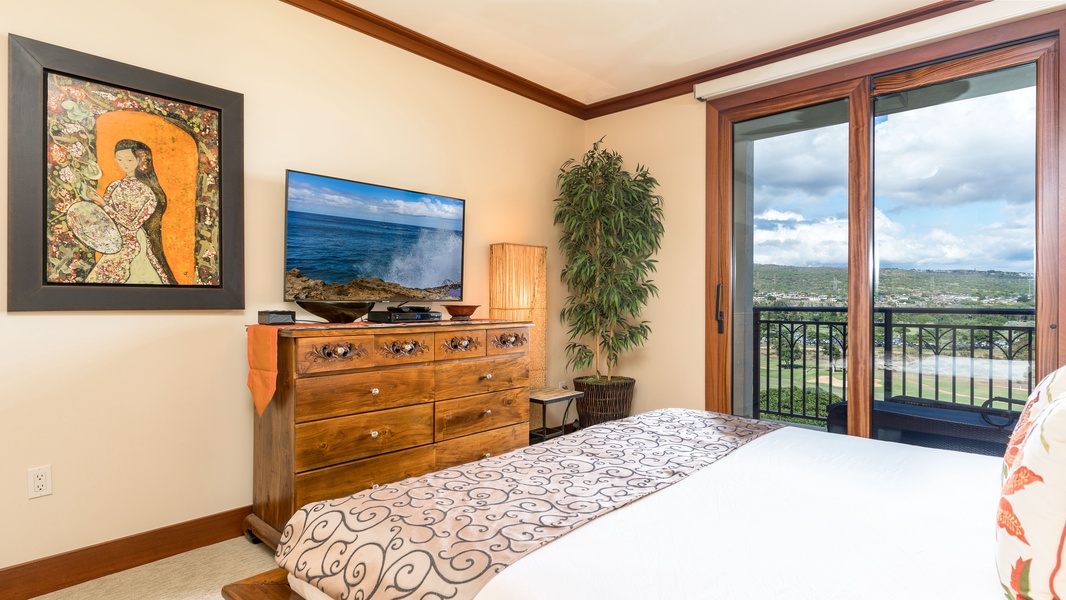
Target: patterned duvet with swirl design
{"x":445,"y":534}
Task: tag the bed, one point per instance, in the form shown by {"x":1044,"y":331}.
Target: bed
{"x":678,"y":503}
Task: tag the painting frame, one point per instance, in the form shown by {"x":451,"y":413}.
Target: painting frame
{"x":30,"y":62}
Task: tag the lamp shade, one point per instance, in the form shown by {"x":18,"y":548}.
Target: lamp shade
{"x":518,"y":292}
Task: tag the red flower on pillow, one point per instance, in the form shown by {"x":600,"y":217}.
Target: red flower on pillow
{"x":1008,"y":521}
{"x":1020,"y":478}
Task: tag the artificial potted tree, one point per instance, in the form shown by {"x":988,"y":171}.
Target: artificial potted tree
{"x":611,"y":225}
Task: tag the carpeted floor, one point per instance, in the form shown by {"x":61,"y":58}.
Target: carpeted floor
{"x":196,"y":575}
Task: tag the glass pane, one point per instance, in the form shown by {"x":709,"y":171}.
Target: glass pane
{"x":791,"y":254}
{"x":954,"y":231}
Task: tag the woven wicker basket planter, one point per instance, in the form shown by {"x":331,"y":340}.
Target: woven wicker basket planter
{"x":603,"y":401}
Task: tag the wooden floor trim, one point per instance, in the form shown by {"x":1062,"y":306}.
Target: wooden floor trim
{"x":61,"y":571}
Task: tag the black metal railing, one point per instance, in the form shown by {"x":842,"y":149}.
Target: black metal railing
{"x":962,"y":356}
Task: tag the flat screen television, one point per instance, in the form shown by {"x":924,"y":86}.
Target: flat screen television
{"x":349,"y":241}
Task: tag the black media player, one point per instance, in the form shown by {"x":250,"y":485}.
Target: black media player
{"x":388,"y":316}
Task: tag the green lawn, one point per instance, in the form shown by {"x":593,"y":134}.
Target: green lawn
{"x":820,"y":382}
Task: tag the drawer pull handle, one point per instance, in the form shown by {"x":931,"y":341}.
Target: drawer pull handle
{"x":341,"y":351}
{"x":488,"y":376}
{"x":374,"y":434}
{"x":374,"y":392}
{"x":461,"y":344}
{"x":488,"y":412}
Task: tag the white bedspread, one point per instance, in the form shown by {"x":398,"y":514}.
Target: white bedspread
{"x":793,"y":515}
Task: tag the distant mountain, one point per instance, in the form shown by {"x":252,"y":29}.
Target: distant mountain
{"x":832,"y":281}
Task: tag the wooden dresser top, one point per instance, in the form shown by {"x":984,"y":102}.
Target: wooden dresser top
{"x":328,"y":329}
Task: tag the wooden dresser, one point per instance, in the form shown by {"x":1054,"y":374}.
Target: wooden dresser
{"x":366,"y":404}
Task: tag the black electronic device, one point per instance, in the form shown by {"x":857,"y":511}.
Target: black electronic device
{"x":277,"y":317}
{"x":388,"y":316}
{"x":407,"y":308}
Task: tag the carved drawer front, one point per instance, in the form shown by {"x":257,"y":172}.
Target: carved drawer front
{"x":473,"y":414}
{"x":351,"y":477}
{"x":507,"y":341}
{"x":333,"y":441}
{"x":400,"y":348}
{"x":364,"y":391}
{"x":321,"y":355}
{"x":459,"y":344}
{"x":480,"y":375}
{"x":481,"y":445}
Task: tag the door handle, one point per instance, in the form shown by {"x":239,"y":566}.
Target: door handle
{"x":719,"y":315}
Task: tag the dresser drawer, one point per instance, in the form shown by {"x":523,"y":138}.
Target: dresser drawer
{"x":459,"y":344}
{"x":400,"y":348}
{"x":339,"y":353}
{"x":479,"y":375}
{"x":364,"y":391}
{"x":344,"y":480}
{"x":481,"y":445}
{"x":338,"y":440}
{"x":507,"y":341}
{"x":473,"y":414}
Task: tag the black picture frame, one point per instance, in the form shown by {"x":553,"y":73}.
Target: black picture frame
{"x":30,"y":62}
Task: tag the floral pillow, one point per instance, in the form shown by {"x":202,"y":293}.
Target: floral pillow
{"x":1031,"y":524}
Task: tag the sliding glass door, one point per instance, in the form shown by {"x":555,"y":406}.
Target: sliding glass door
{"x":884,"y":242}
{"x":790,"y":211}
{"x":955,"y":241}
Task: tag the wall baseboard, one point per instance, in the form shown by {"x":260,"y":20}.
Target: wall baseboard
{"x":61,"y":571}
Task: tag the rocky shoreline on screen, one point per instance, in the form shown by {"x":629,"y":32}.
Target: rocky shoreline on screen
{"x":304,"y":288}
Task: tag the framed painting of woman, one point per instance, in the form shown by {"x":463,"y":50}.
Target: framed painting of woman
{"x":125,"y":186}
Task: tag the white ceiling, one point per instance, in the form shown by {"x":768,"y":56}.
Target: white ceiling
{"x":593,"y":50}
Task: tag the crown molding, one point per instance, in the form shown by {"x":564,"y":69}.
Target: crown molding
{"x":392,"y":33}
{"x":684,"y":85}
{"x":397,"y":35}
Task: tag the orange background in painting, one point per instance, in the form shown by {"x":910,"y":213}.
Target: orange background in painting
{"x":175,"y":161}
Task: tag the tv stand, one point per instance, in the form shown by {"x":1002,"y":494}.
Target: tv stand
{"x":336,"y":312}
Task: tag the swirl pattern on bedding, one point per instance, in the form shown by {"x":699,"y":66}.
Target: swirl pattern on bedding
{"x":444,"y":535}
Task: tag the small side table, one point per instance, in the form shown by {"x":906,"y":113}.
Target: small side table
{"x":545,"y":396}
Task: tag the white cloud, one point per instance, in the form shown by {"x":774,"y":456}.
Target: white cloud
{"x":424,"y":207}
{"x":818,"y":243}
{"x":955,"y":189}
{"x":801,"y":168}
{"x":327,"y":199}
{"x":978,"y":149}
{"x":1002,"y":245}
{"x":998,"y":246}
{"x":777,"y":215}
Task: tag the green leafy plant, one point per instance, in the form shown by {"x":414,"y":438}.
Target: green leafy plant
{"x":611,"y":227}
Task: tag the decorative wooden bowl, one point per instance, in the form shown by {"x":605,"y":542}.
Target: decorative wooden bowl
{"x":461,"y":312}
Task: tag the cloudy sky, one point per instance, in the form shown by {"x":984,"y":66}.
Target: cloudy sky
{"x":954,"y":189}
{"x":338,"y":197}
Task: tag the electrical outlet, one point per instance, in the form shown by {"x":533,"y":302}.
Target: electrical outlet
{"x":40,"y":481}
{"x":562,"y":384}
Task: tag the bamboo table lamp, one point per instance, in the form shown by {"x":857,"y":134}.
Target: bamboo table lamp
{"x":518,"y":292}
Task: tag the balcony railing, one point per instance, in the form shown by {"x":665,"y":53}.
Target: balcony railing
{"x":961,"y":356}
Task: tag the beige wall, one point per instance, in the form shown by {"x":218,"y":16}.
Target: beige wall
{"x":668,"y":138}
{"x":144,"y":416}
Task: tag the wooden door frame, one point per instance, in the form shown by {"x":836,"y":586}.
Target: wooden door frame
{"x":1039,"y":36}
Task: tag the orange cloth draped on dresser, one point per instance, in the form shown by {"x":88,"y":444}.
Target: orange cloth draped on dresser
{"x":262,"y":364}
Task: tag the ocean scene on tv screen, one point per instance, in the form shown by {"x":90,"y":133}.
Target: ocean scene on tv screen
{"x":354,"y":241}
